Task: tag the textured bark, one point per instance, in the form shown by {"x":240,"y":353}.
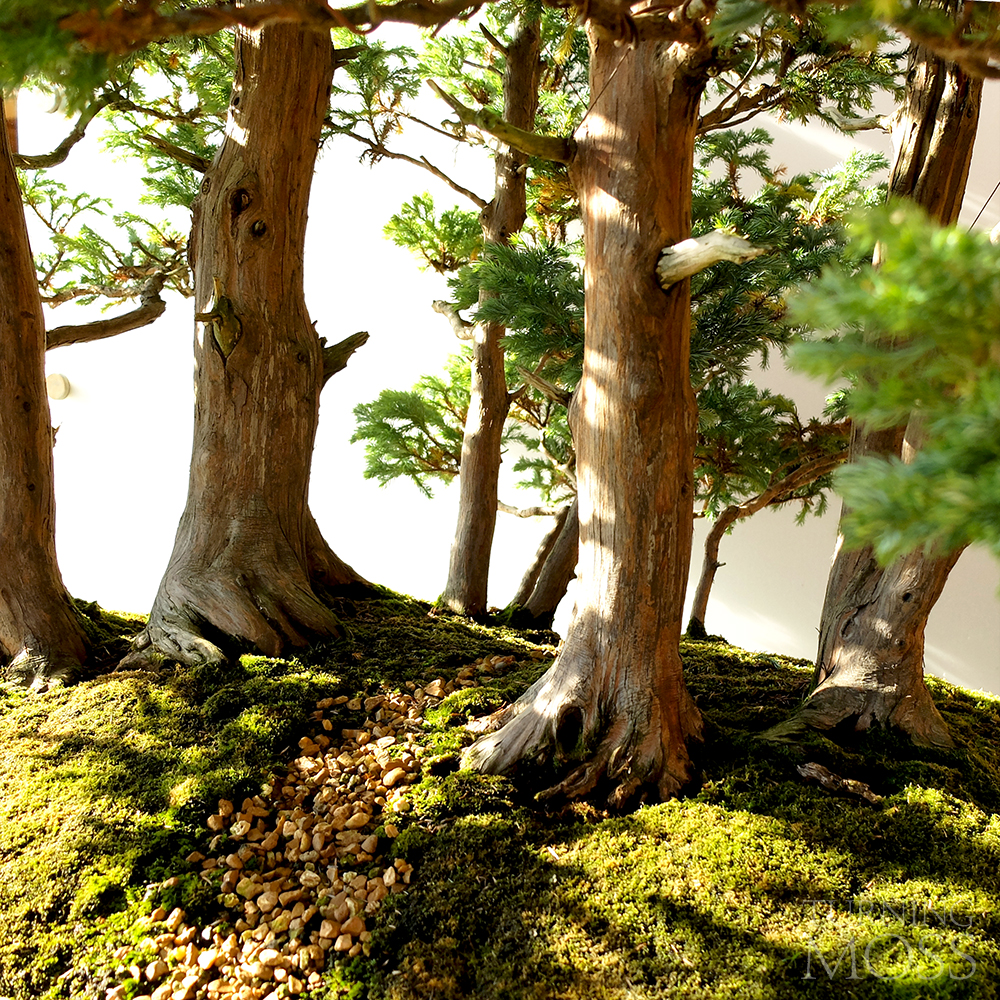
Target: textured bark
{"x":615,"y":703}
{"x":241,"y":572}
{"x":870,"y":662}
{"x":40,"y":635}
{"x":469,"y":565}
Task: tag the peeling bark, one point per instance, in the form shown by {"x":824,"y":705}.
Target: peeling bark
{"x":869,"y":667}
{"x":479,"y":469}
{"x":40,"y":635}
{"x":614,"y":704}
{"x":247,"y":550}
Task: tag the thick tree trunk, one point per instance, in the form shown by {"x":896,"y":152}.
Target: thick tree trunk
{"x":469,"y":566}
{"x":615,"y":701}
{"x":40,"y":634}
{"x":240,"y":573}
{"x":870,"y":661}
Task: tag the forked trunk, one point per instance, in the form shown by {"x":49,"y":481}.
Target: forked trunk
{"x":534,"y":571}
{"x":469,"y":565}
{"x":40,"y":635}
{"x":870,"y":664}
{"x":615,"y":702}
{"x":240,"y":573}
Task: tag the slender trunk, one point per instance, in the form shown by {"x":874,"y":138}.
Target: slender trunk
{"x":530,"y":578}
{"x":468,"y":570}
{"x":869,"y":666}
{"x":710,"y":565}
{"x":615,"y":702}
{"x":39,"y":631}
{"x":240,"y":573}
{"x":779,"y":491}
{"x":556,"y":573}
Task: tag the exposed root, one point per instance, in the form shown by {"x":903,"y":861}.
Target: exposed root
{"x":39,"y":670}
{"x":236,"y":614}
{"x":830,"y":706}
{"x":638,"y":752}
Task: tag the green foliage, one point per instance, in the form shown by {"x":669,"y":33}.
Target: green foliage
{"x":416,"y":434}
{"x":81,"y":263}
{"x":792,"y":63}
{"x":371,"y":105}
{"x":919,"y":338}
{"x":750,"y":439}
{"x":445,"y":241}
{"x":168,"y":100}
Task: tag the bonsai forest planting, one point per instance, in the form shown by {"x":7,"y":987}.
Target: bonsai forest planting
{"x":284,"y":779}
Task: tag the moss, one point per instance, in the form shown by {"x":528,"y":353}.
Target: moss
{"x":106,"y":785}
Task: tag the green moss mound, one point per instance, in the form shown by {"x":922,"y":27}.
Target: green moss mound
{"x":757,"y":886}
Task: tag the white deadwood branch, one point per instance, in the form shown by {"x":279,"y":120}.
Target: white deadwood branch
{"x":846,"y":124}
{"x":691,"y":256}
{"x":463,"y":328}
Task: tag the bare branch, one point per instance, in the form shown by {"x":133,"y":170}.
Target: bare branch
{"x":378,"y":150}
{"x":529,"y":511}
{"x":463,"y":328}
{"x":177,"y":153}
{"x":151,"y":309}
{"x":336,"y":356}
{"x":59,"y":154}
{"x":493,"y":40}
{"x":545,"y":387}
{"x":691,"y":256}
{"x":128,"y":28}
{"x":547,"y":147}
{"x":846,"y":124}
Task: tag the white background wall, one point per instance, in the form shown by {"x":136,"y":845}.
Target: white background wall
{"x":125,"y":430}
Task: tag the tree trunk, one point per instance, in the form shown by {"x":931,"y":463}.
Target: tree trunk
{"x":534,"y":571}
{"x":779,"y":491}
{"x":871,"y":647}
{"x":709,"y":567}
{"x":469,"y":566}
{"x":39,"y":630}
{"x":556,"y":573}
{"x":615,"y":702}
{"x":240,"y":573}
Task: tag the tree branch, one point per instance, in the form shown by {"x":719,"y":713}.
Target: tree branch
{"x":546,"y":147}
{"x":59,"y":154}
{"x":151,"y":308}
{"x":691,"y":256}
{"x":128,"y":28}
{"x":545,"y":387}
{"x":846,"y":124}
{"x":529,"y":511}
{"x":376,"y":149}
{"x":336,"y":356}
{"x":462,"y":328}
{"x":177,"y":153}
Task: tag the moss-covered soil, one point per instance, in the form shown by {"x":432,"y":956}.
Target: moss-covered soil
{"x":759,"y":885}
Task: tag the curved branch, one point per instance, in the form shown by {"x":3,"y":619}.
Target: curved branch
{"x":151,"y":309}
{"x":691,"y":256}
{"x":462,"y":328}
{"x":559,"y":149}
{"x":178,"y":153}
{"x":59,"y":154}
{"x":378,"y":150}
{"x":530,"y":511}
